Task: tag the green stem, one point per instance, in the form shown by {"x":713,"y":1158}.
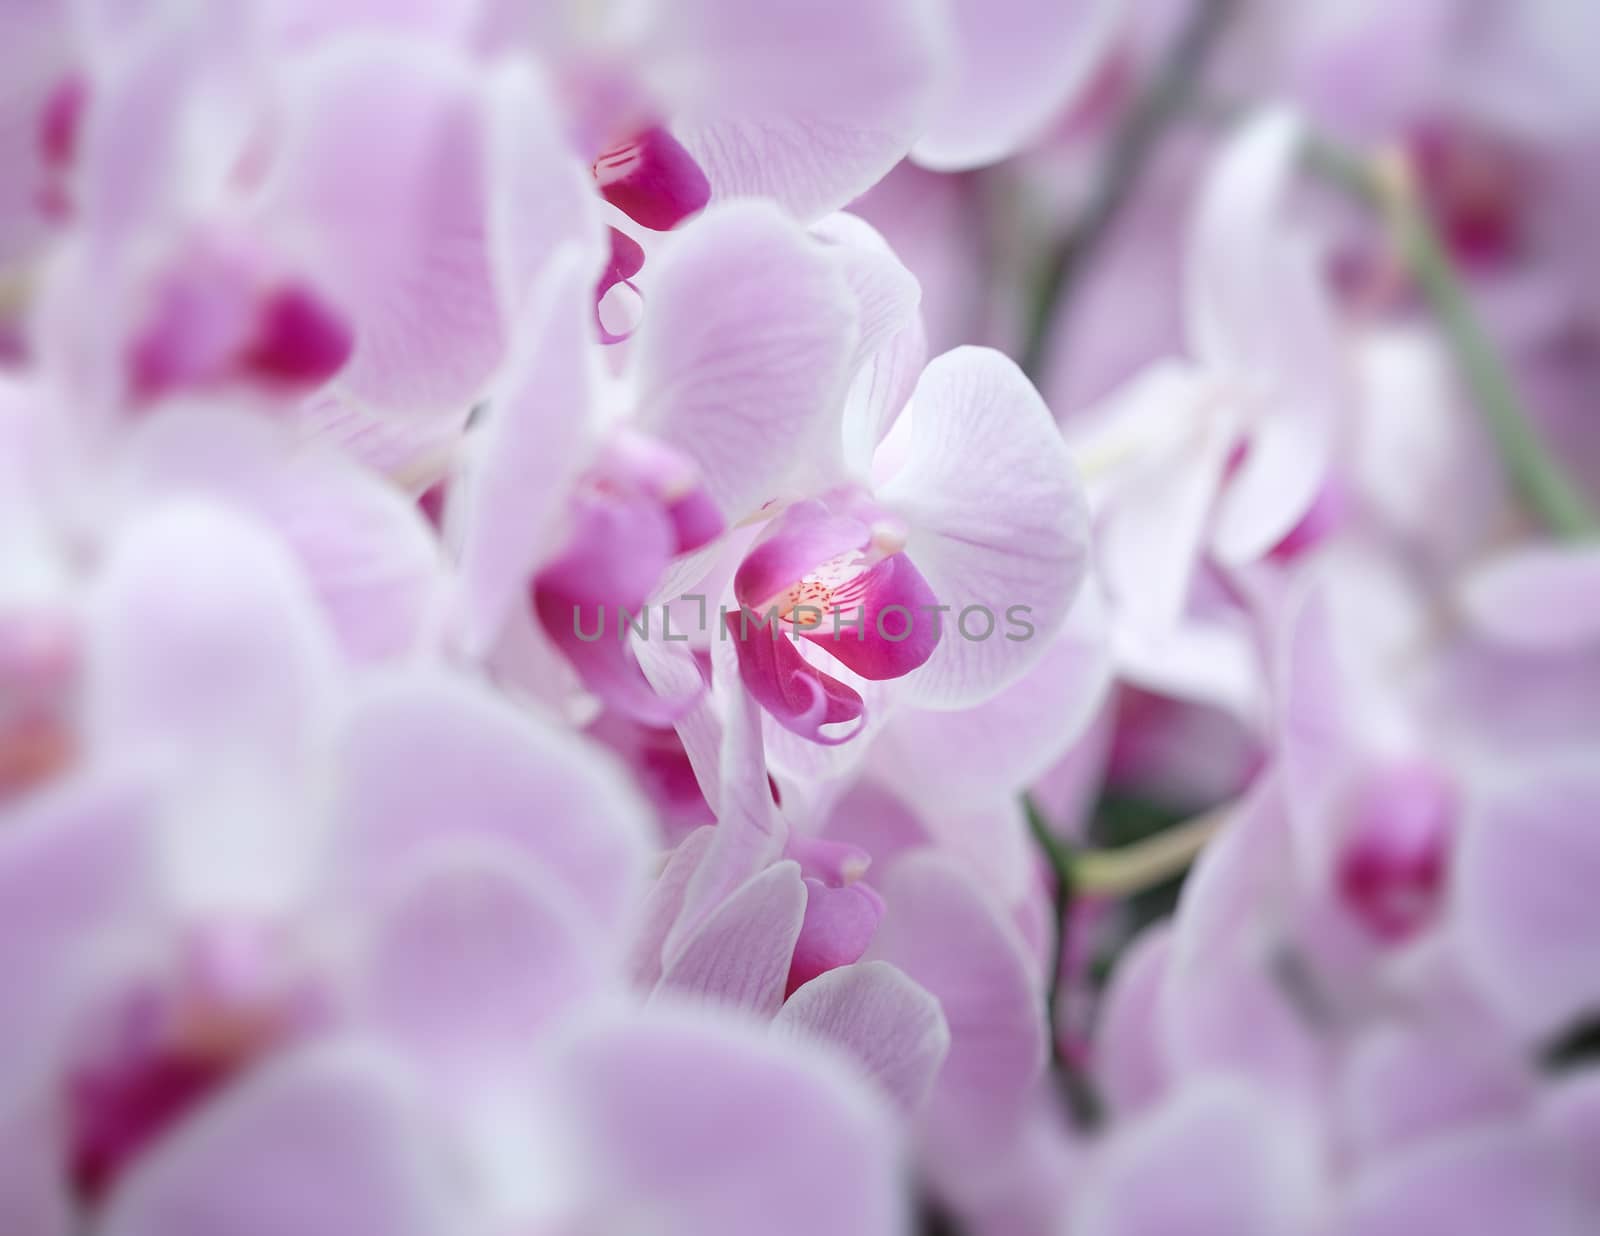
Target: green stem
{"x":1128,"y":152}
{"x":1076,"y":1091}
{"x":1532,"y":470}
{"x":1130,"y":869}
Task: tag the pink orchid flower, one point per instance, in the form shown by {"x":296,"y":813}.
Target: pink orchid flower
{"x":1220,"y":458}
{"x":903,"y":567}
{"x":723,"y":394}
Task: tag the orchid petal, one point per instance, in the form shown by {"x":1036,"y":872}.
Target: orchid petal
{"x":740,"y":953}
{"x":471,"y":958}
{"x":324,"y":1143}
{"x":884,"y":647}
{"x":795,"y":693}
{"x":738,"y":378}
{"x":540,"y":200}
{"x":997,"y":521}
{"x":652,"y":179}
{"x":645,"y":1102}
{"x":663,"y":905}
{"x":891,"y":1027}
{"x":950,"y":939}
{"x":75,"y":862}
{"x":1540,"y":599}
{"x":838,"y":926}
{"x":762,"y":123}
{"x":528,"y":453}
{"x":1527,"y":917}
{"x":386,"y":158}
{"x":1130,"y":1064}
{"x":1222,"y":1160}
{"x":1491,"y":1180}
{"x":365,"y":549}
{"x":1006,"y":743}
{"x":205,"y":635}
{"x":1019,"y":66}
{"x":425,"y":758}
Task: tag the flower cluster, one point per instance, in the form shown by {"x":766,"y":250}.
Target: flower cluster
{"x":556,"y":677}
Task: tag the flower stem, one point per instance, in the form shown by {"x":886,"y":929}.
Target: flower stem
{"x":1077,"y":1093}
{"x":1386,"y":185}
{"x":1130,"y":869}
{"x":1128,"y":152}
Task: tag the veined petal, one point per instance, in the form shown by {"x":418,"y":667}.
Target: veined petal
{"x":888,"y":297}
{"x":993,"y":749}
{"x":663,"y":905}
{"x":998,"y":522}
{"x":743,"y":359}
{"x":540,"y":199}
{"x":946,"y":936}
{"x":887,"y":1024}
{"x":1018,"y":66}
{"x":740,"y":953}
{"x":759,"y":119}
{"x":386,"y":162}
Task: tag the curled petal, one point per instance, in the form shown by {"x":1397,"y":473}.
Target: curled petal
{"x":798,"y":695}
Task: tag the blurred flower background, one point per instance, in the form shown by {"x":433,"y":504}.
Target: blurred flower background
{"x":652,"y":617}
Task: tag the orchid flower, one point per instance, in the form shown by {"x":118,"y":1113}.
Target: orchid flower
{"x":1220,"y":458}
{"x":722,"y":394}
{"x":895,"y":565}
{"x":254,"y":994}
